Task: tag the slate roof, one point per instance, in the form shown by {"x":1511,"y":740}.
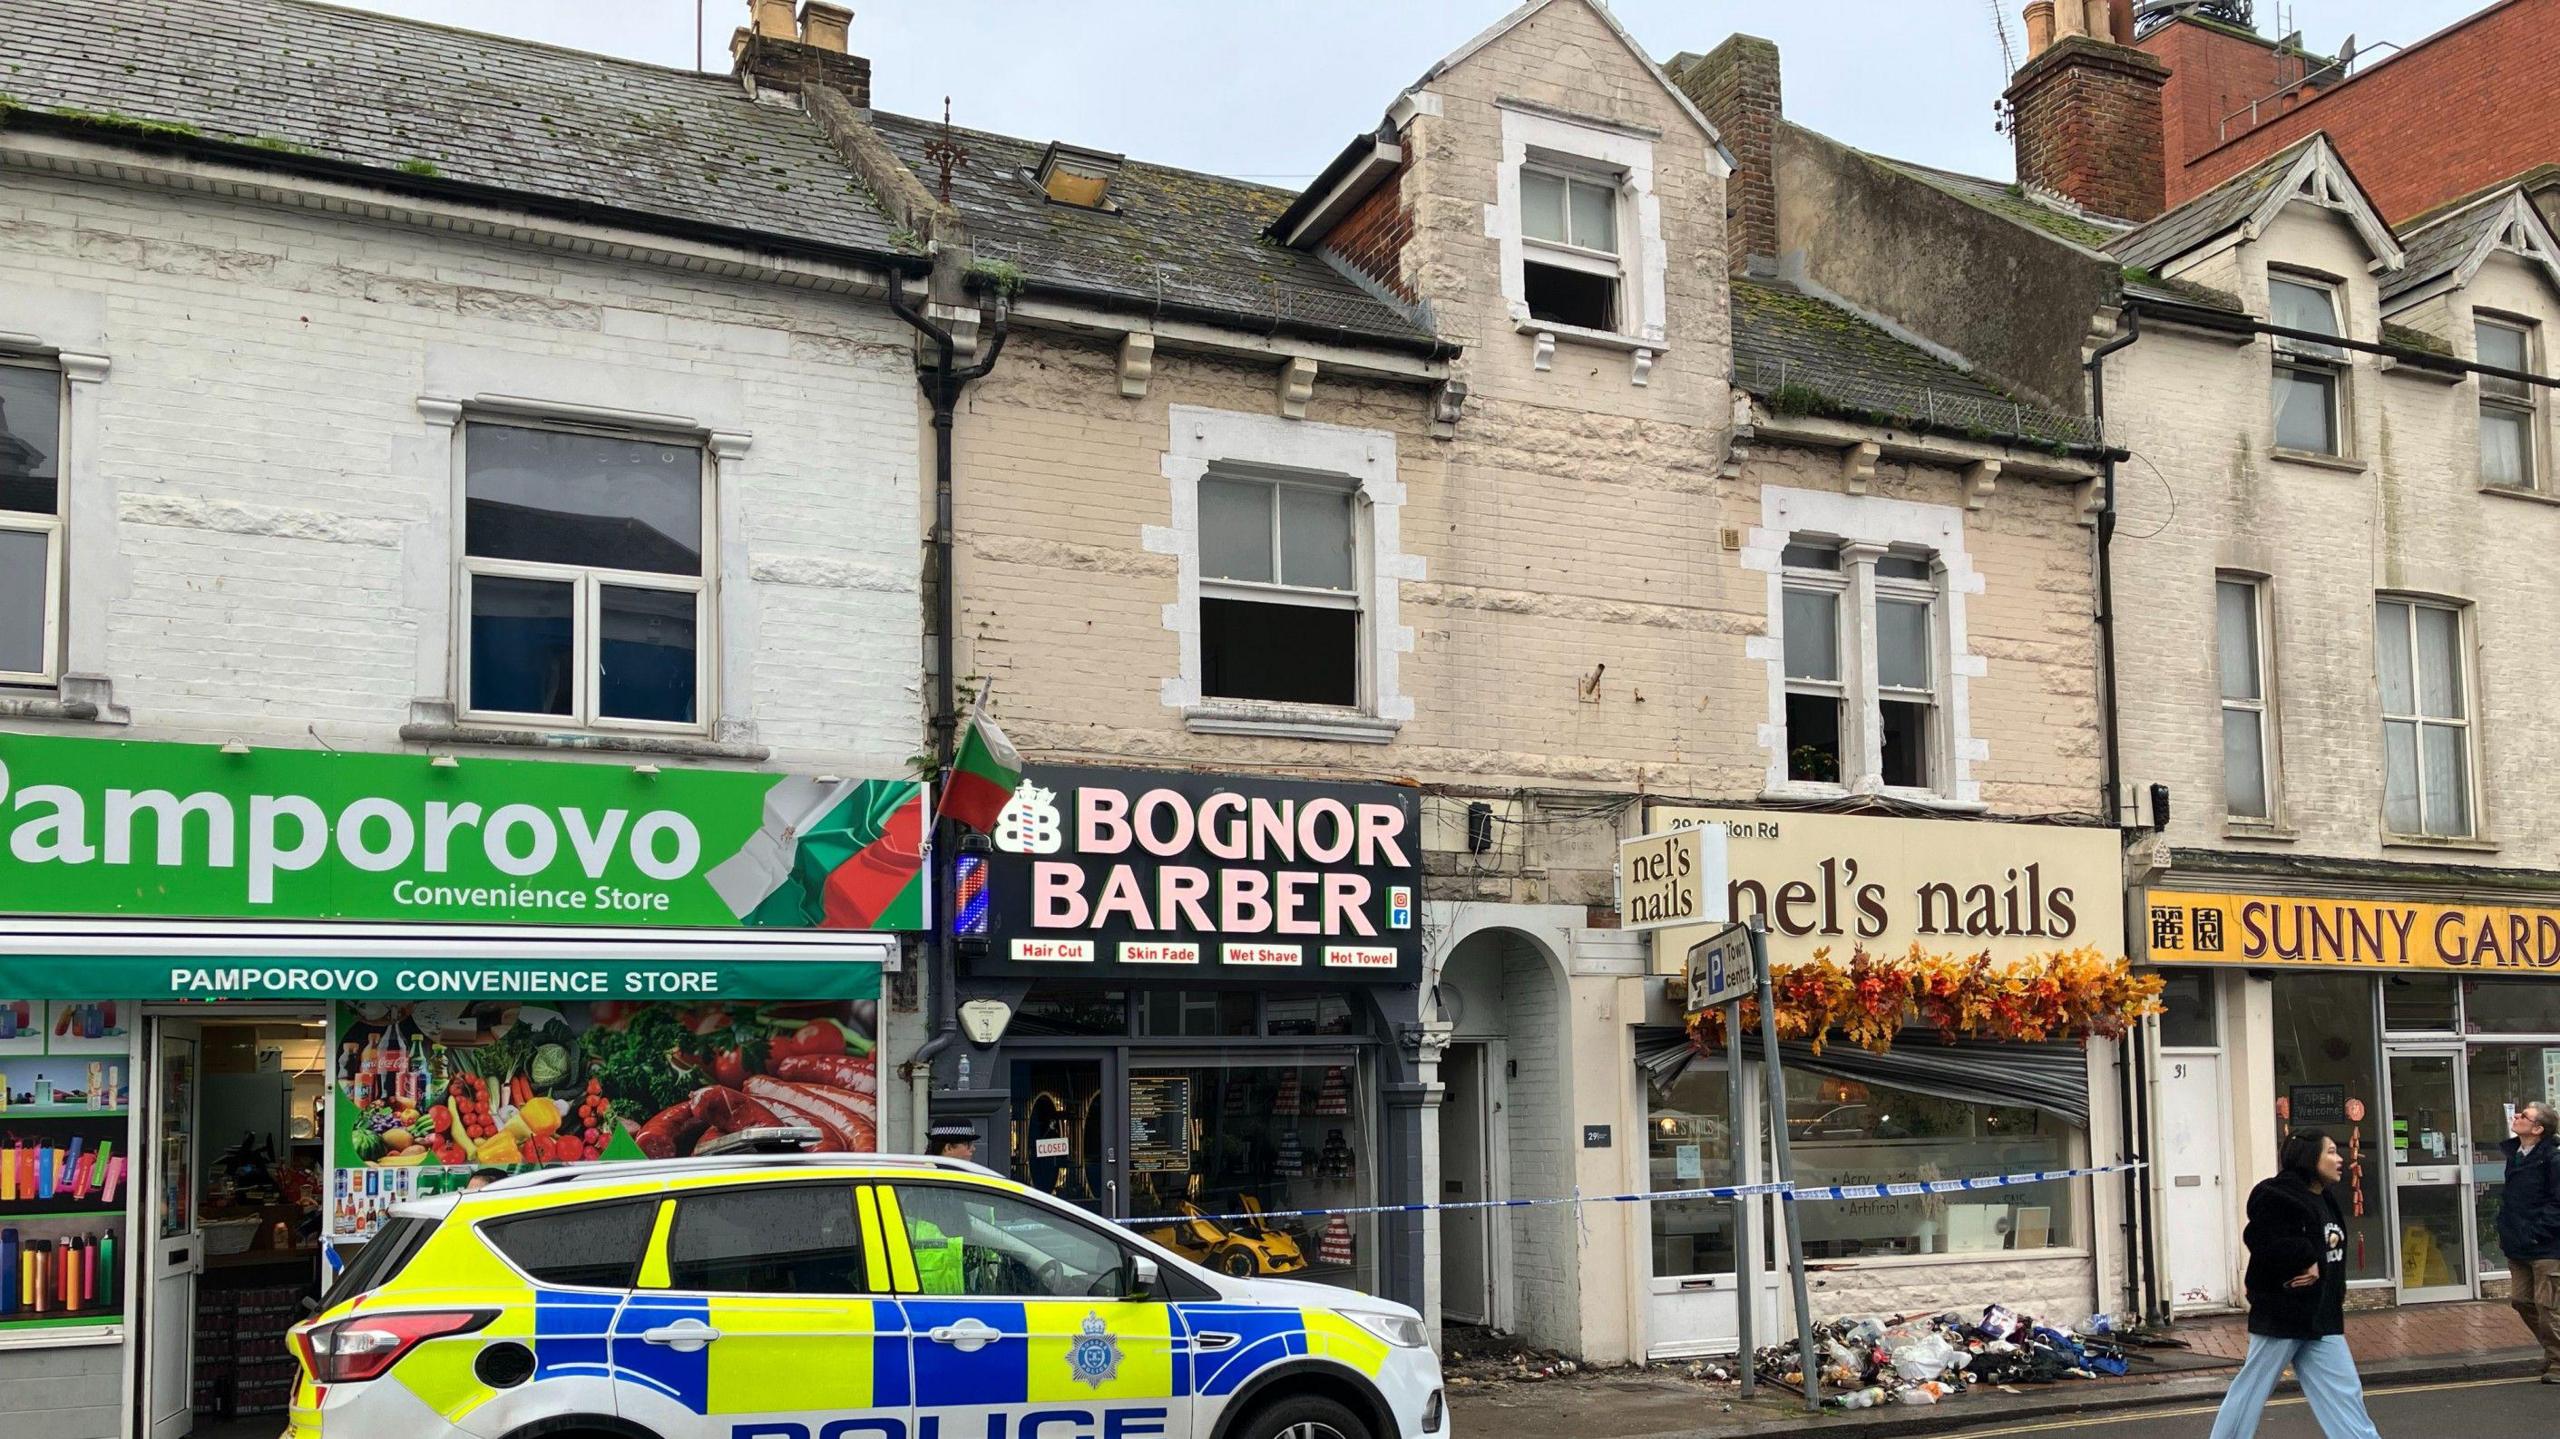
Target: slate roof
{"x":2010,"y":203}
{"x":2439,"y":246}
{"x":1173,"y":238}
{"x":422,"y":103}
{"x":1800,"y":355}
{"x":2150,"y":246}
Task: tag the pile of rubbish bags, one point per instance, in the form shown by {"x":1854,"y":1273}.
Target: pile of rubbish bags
{"x":1922,"y":1360}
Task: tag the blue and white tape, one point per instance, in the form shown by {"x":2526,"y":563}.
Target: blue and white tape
{"x":1799,"y":1193}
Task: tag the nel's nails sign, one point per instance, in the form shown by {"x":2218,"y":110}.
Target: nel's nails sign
{"x":1175,"y":876}
{"x":186,"y":831}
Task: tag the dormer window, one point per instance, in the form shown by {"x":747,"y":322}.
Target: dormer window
{"x":1570,"y":270}
{"x":1073,"y":175}
{"x":2310,"y":377}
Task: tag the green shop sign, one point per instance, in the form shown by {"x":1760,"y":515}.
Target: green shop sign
{"x":168,"y":830}
{"x":500,"y":978}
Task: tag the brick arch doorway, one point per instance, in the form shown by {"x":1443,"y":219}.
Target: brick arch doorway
{"x":1502,"y":1131}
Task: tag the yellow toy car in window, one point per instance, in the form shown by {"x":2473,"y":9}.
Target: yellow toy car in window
{"x":830,"y":1296}
{"x":1240,"y":1249}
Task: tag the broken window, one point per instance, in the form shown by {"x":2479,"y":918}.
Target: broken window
{"x":1280,"y":602}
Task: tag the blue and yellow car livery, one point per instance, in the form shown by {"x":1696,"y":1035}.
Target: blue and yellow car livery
{"x":892,"y":1299}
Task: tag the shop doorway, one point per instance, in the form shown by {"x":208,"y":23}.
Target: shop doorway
{"x":2430,"y":1175}
{"x":1063,"y":1142}
{"x":2197,"y":1201}
{"x":1694,"y":1295}
{"x":234,"y":1118}
{"x":1471,"y":1172}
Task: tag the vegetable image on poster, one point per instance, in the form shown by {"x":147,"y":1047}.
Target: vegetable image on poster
{"x":446,"y":1089}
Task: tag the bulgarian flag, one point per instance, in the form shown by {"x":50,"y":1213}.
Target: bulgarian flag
{"x":983,"y":775}
{"x":842,"y":855}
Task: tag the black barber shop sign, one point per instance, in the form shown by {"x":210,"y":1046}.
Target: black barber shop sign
{"x":1138,"y":875}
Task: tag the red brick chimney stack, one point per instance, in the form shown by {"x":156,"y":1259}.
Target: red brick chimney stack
{"x":2085,"y":111}
{"x":1735,"y":86}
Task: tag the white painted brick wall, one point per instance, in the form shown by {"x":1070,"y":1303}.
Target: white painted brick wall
{"x":282,"y":506}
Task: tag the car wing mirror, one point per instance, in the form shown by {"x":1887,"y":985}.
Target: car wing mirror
{"x":1146,"y":1277}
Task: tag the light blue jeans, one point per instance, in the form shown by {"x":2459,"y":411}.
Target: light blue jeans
{"x":2329,"y":1381}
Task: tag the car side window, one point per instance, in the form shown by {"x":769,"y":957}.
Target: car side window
{"x":984,"y":1243}
{"x":589,"y":1246}
{"x":768,"y":1239}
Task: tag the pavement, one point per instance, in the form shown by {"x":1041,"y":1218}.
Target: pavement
{"x":2477,"y":1345}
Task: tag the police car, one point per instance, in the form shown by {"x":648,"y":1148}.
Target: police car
{"x":830,"y":1296}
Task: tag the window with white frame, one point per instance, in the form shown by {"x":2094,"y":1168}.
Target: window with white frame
{"x":2510,"y":410}
{"x":30,"y":522}
{"x":2310,"y":377}
{"x":1571,"y":272}
{"x":1860,"y":641}
{"x":2427,"y":762}
{"x":2248,"y":738}
{"x":585,"y":598}
{"x":1281,"y":609}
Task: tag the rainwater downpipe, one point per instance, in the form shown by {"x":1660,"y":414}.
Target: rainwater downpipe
{"x":942,"y":386}
{"x":2141,"y":1281}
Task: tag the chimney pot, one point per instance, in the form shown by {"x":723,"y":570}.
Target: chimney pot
{"x":2070,"y":17}
{"x":2039,"y":27}
{"x":829,"y":27}
{"x":2100,"y":20}
{"x":773,"y":19}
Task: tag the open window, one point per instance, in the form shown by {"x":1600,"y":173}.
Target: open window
{"x":1281,"y":609}
{"x":1864,"y":693}
{"x":1571,"y":271}
{"x":1906,"y":609}
{"x":1817,"y":691}
{"x":2310,"y":377}
{"x":30,"y":522}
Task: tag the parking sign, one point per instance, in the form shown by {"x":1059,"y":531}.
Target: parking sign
{"x":1720,"y":968}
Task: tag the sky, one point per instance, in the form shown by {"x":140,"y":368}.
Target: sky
{"x":1271,"y":91}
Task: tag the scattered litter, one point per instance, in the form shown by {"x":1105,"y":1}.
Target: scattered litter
{"x":1866,"y":1362}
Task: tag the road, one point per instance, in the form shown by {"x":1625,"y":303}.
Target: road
{"x":2491,"y":1408}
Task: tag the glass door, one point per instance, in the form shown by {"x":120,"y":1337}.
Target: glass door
{"x":1693,"y":1295}
{"x":1064,"y":1141}
{"x":2430,"y":1175}
{"x":176,"y":1246}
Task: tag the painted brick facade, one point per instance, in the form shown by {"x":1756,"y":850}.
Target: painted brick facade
{"x":2477,"y":92}
{"x":2086,"y":120}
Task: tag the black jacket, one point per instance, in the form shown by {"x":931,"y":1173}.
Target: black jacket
{"x":2291,"y":1228}
{"x":2529,"y":1207}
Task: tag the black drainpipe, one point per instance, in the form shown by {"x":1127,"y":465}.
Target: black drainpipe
{"x":942,"y":386}
{"x":2133,"y":1109}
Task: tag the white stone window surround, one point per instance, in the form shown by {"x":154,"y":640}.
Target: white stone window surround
{"x":1866,"y":526}
{"x":470,"y":384}
{"x":1200,"y":439}
{"x":1546,"y":140}
{"x":66,"y":331}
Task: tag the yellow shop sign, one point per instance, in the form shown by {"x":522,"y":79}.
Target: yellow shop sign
{"x":2190,"y":928}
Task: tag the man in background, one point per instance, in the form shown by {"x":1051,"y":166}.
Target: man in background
{"x":2529,"y":1227}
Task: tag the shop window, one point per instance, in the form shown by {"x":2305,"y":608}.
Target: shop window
{"x":2513,"y":1006}
{"x":2426,"y":726}
{"x":30,"y":522}
{"x":1570,"y":270}
{"x":797,"y":1239}
{"x":1280,"y":601}
{"x":1859,"y":634}
{"x":978,"y":1242}
{"x":1195,"y":1013}
{"x":1845,"y":1131}
{"x":1058,"y":1009}
{"x":1260,"y":1138}
{"x":1299,"y":1014}
{"x":2503,"y":1078}
{"x":1689,"y":1145}
{"x":2248,"y":783}
{"x":2187,"y":1010}
{"x":583,"y":578}
{"x":2310,"y":377}
{"x":589,"y":1246}
{"x":2324,"y":1035}
{"x":2418,"y":1003}
{"x":2510,"y":410}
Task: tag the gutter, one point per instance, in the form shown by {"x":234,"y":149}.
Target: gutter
{"x":150,"y":139}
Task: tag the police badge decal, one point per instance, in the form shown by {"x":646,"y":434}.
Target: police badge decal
{"x":1094,"y":1355}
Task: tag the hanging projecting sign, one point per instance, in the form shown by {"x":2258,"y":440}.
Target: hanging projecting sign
{"x":1671,"y":879}
{"x":1144,"y":875}
{"x":124,"y":827}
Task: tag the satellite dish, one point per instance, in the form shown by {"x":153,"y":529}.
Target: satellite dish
{"x":2347,"y":52}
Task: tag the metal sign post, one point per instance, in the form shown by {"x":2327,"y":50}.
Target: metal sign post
{"x":1811,"y":1361}
{"x":1722,"y":969}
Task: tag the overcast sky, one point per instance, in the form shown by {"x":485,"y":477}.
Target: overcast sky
{"x":1271,"y":91}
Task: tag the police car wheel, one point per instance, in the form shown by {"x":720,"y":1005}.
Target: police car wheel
{"x":1304,"y":1416}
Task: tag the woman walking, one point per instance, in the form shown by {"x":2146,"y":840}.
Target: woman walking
{"x":2297,"y":1283}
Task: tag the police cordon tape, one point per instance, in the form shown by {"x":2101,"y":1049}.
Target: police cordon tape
{"x":1793,"y":1193}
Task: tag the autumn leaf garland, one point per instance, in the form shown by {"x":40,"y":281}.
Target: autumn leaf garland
{"x":2066,"y":994}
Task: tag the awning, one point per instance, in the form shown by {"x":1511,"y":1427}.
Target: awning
{"x":158,"y":961}
{"x":2052,"y":1076}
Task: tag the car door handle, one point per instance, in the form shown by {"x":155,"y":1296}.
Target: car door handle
{"x":685,"y":1336}
{"x":968,"y":1336}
